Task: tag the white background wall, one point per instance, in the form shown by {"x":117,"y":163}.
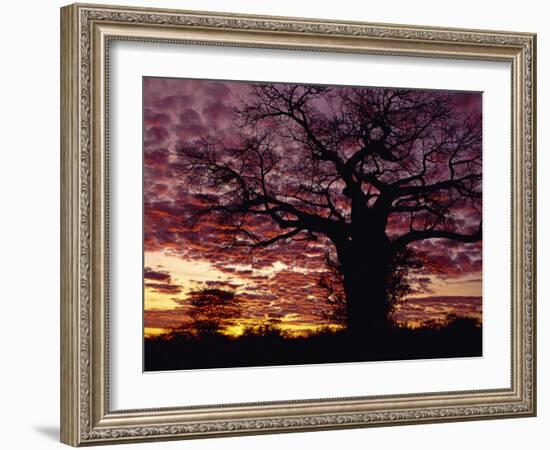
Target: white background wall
{"x":29,"y":223}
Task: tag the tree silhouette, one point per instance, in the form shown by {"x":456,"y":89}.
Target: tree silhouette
{"x":369,"y":171}
{"x":400,"y":278}
{"x":332,"y":283}
{"x":212,"y":309}
{"x":399,"y":283}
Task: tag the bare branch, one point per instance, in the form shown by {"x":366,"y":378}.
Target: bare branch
{"x":419,"y":235}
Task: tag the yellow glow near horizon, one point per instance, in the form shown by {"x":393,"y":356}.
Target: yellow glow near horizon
{"x":153,"y":331}
{"x":183,"y":273}
{"x":187,"y":274}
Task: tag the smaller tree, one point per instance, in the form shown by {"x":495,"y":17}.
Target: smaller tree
{"x":213,"y":309}
{"x":400,"y":279}
{"x":332,"y":282}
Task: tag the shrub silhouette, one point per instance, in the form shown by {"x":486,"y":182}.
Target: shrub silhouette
{"x":268,"y":345}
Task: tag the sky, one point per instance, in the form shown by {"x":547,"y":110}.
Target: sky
{"x":279,"y":282}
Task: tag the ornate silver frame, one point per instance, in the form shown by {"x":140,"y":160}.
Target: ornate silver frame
{"x":86,"y":31}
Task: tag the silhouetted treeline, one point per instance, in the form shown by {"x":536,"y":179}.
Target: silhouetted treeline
{"x":269,"y":346}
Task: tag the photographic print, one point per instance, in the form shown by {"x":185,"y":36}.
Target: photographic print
{"x":292,"y":197}
{"x":299,"y":224}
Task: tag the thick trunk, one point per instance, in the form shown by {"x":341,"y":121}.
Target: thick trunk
{"x":365,"y":268}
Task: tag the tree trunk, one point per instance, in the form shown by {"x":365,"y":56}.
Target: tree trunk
{"x":365,"y":268}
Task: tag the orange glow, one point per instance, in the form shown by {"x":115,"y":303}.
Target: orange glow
{"x":188,"y":276}
{"x":152,"y":332}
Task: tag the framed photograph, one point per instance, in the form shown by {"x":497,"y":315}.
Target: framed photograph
{"x":276,"y":224}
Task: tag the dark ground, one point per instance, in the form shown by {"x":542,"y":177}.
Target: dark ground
{"x":461,"y":337}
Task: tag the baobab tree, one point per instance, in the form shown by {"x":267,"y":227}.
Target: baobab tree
{"x":400,"y":282}
{"x":369,"y":171}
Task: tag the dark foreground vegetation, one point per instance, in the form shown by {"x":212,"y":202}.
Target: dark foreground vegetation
{"x":457,"y":337}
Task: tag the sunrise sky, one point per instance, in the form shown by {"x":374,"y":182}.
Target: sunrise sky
{"x":279,"y":282}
